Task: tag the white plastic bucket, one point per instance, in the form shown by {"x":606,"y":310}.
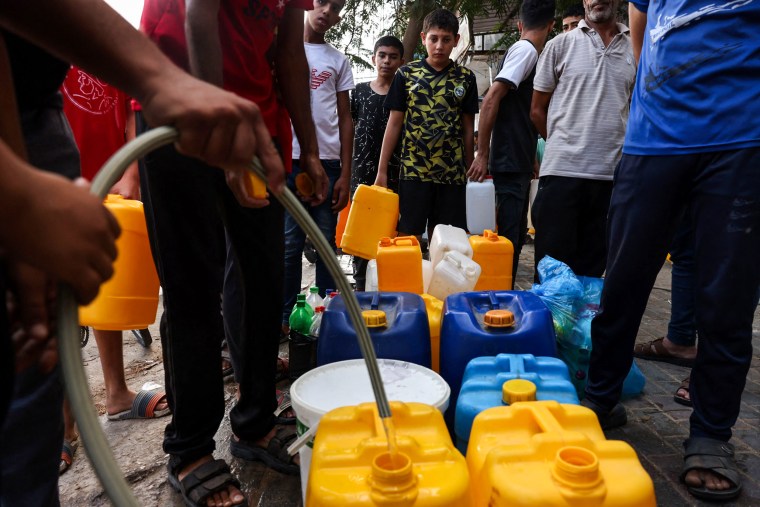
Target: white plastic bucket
{"x":447,"y":238}
{"x":455,"y":273}
{"x":346,"y":383}
{"x":481,"y":206}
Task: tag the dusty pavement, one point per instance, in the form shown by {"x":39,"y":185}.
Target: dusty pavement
{"x":656,"y":428}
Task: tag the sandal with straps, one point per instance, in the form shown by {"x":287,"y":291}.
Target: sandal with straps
{"x":203,"y":481}
{"x":714,"y":456}
{"x":275,"y":455}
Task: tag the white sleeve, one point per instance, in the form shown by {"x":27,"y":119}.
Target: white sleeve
{"x":345,"y":76}
{"x":518,"y":63}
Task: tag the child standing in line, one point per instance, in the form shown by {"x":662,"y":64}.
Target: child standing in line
{"x":433,"y":104}
{"x":331,"y":80}
{"x":370,"y":119}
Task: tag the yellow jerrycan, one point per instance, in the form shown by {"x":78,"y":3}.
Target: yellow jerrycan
{"x":495,"y":255}
{"x":399,"y":265}
{"x":373,"y":215}
{"x":434,"y":308}
{"x":546,"y":454}
{"x":128,"y":300}
{"x":351,"y":464}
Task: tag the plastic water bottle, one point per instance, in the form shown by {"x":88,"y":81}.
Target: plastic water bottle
{"x":316,"y":321}
{"x":302,"y":297}
{"x":300,"y":318}
{"x":481,"y":206}
{"x":314,"y":299}
{"x":329,"y":297}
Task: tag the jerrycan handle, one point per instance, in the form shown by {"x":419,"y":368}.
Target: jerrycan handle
{"x":493,"y":303}
{"x":375,"y":303}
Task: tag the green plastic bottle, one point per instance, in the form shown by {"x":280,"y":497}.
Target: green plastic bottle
{"x":302,"y":297}
{"x":300,"y":318}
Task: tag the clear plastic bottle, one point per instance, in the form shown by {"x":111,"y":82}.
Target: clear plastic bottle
{"x":314,"y":299}
{"x":329,"y":297}
{"x":316,"y":321}
{"x":300,"y":318}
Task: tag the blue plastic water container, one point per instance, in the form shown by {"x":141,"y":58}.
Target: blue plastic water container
{"x":398,"y":326}
{"x":485,"y":376}
{"x":477,"y":324}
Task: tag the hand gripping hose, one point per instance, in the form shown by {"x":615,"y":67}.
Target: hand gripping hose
{"x":108,"y":471}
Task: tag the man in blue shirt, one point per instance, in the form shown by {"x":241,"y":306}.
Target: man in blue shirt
{"x":693,"y":142}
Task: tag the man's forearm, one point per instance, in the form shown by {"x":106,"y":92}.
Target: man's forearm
{"x":94,"y":37}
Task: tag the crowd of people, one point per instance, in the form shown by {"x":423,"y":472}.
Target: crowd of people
{"x":651,"y":140}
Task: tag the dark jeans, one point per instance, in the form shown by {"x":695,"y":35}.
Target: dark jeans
{"x":721,"y":191}
{"x":682,"y":328}
{"x":512,"y":191}
{"x":327,"y":221}
{"x":32,"y":434}
{"x":570,"y":217}
{"x":360,"y":272}
{"x":184,"y":200}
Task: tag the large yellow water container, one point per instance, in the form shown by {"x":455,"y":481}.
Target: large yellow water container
{"x":434,"y":307}
{"x":128,"y":300}
{"x":373,"y":215}
{"x":543,"y":453}
{"x":494,"y":254}
{"x":351,"y":465}
{"x":399,"y":265}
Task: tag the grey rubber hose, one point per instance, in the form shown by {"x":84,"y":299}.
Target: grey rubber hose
{"x":77,"y":388}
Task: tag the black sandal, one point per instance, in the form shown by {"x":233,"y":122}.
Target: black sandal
{"x":717,"y":457}
{"x":205,"y":480}
{"x":275,"y":456}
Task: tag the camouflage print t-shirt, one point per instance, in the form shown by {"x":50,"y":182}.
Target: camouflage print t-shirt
{"x":433,"y":103}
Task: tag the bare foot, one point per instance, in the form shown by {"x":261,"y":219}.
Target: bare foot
{"x":702,"y":477}
{"x":233,"y":496}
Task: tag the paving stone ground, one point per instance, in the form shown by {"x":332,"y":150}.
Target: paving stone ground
{"x":656,"y":429}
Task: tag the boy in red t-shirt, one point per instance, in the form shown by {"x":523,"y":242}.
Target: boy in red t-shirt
{"x":228,"y":43}
{"x":100,"y":117}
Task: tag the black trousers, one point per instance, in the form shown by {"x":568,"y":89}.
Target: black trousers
{"x":204,"y":243}
{"x":720,"y":191}
{"x":570,"y":217}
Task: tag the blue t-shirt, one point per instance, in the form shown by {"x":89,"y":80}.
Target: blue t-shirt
{"x":698,"y":79}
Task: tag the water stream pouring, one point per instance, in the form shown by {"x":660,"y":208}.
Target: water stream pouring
{"x":108,"y":471}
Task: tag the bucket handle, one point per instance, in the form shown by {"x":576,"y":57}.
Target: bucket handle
{"x":302,"y":440}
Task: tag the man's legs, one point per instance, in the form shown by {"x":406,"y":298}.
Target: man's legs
{"x":186,"y":241}
{"x":726,"y":218}
{"x":591,"y":249}
{"x":511,"y":209}
{"x":639,"y":232}
{"x":556,"y":213}
{"x":295,"y":237}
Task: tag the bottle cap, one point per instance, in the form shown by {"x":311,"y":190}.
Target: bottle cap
{"x":318,"y":309}
{"x":499,"y":318}
{"x":518,"y":390}
{"x":314,"y":289}
{"x":301,"y":303}
{"x":300,"y":297}
{"x":374,"y":318}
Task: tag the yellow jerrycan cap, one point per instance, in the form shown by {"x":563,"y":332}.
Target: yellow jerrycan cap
{"x":374,"y":318}
{"x":499,"y":318}
{"x":518,"y":389}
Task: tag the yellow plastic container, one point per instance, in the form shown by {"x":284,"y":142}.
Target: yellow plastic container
{"x":342,"y":221}
{"x":351,"y":465}
{"x":399,"y":265}
{"x":542,"y":453}
{"x":434,"y":309}
{"x":129,"y":300}
{"x":255,"y":186}
{"x":495,"y":255}
{"x":373,"y":215}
